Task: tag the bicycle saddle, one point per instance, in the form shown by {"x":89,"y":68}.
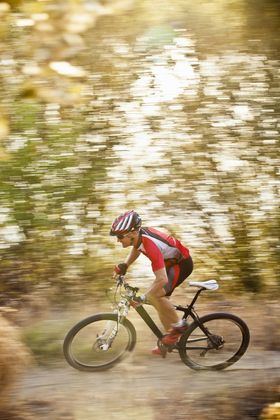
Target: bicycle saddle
{"x":209,"y":284}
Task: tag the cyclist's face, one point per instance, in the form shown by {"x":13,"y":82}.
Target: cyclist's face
{"x":126,"y":240}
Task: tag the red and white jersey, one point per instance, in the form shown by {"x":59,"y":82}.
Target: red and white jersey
{"x":159,"y":246}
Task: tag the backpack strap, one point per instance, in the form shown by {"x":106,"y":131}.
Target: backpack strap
{"x":147,"y":232}
{"x":139,"y":239}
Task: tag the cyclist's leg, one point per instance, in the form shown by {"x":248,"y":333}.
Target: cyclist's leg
{"x":177,"y":274}
{"x":167,"y":313}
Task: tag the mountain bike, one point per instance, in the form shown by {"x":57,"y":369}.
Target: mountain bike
{"x":210,"y":342}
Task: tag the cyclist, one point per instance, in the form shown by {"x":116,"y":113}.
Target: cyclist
{"x":171,"y":264}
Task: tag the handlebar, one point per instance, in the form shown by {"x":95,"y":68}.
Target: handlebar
{"x":121,"y":282}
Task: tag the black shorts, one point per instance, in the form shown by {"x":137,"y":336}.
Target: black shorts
{"x":177,"y":274}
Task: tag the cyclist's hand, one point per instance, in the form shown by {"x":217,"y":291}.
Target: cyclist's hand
{"x":120,"y":270}
{"x":138,"y":301}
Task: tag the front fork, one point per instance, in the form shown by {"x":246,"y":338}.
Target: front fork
{"x":108,"y":335}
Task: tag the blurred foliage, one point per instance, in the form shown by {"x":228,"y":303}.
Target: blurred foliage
{"x":14,"y":358}
{"x":44,"y":339}
{"x":156,"y":106}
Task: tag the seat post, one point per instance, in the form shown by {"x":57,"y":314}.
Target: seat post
{"x":195,"y":297}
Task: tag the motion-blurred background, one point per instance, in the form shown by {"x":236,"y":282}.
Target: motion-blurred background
{"x":170,"y":108}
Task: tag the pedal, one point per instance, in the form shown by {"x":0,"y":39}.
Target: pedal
{"x":163,"y":349}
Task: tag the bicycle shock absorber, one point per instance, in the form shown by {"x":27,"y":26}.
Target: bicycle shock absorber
{"x":122,"y":310}
{"x":105,"y":344}
{"x":112,"y":336}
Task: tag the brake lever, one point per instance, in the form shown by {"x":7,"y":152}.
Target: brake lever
{"x":120,"y":281}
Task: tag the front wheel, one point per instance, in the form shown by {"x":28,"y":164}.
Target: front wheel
{"x":217,"y":343}
{"x":98,"y":342}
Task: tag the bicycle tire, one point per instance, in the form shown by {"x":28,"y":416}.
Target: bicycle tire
{"x":99,"y":359}
{"x":206,"y":358}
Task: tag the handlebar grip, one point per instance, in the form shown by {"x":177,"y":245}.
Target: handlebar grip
{"x":138,"y":299}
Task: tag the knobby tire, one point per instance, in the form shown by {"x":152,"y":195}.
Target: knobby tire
{"x":194,"y":337}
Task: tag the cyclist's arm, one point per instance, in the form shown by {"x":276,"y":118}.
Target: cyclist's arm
{"x":134,"y":254}
{"x":158,"y":267}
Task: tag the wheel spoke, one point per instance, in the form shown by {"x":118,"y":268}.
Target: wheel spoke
{"x":98,"y":342}
{"x":95,"y":345}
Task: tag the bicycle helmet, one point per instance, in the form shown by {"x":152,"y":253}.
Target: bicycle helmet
{"x":125,"y":223}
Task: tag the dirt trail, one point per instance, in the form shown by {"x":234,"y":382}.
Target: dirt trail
{"x":141,"y":387}
{"x":148,"y":387}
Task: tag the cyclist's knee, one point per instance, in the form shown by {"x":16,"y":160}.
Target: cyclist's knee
{"x":155,"y":296}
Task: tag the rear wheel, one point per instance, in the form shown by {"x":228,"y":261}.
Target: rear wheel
{"x":99,"y":342}
{"x":222,"y":341}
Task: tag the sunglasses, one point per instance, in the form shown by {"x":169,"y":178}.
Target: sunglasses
{"x":122,"y":236}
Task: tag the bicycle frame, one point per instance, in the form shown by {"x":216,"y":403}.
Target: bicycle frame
{"x":149,"y":321}
{"x":188,"y":311}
